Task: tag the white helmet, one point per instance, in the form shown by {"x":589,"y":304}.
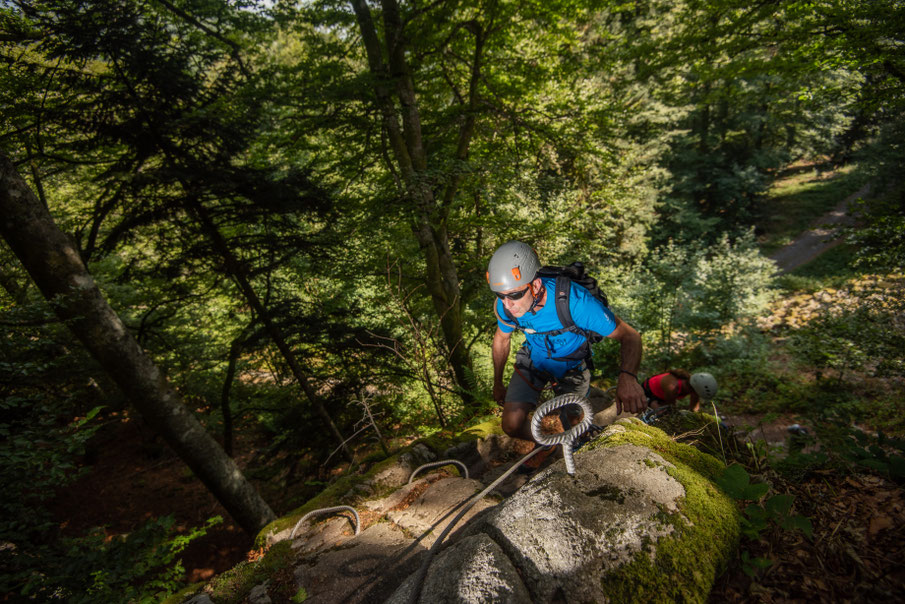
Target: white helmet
{"x":513,"y":264}
{"x":704,"y":384}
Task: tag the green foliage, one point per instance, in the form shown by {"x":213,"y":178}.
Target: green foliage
{"x":847,"y":337}
{"x":759,"y":515}
{"x":300,"y":596}
{"x":699,"y":291}
{"x":141,"y":566}
{"x":750,"y":565}
{"x":880,"y":241}
{"x":880,"y":454}
{"x":48,"y":400}
{"x":36,"y":458}
{"x":736,"y":483}
{"x":46,"y":419}
{"x":845,"y":449}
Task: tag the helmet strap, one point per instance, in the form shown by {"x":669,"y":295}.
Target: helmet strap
{"x":536,"y":297}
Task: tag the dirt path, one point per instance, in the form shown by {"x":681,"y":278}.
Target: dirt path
{"x":822,"y":237}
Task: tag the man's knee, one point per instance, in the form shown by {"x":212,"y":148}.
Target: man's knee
{"x":512,"y":424}
{"x":514,"y":417}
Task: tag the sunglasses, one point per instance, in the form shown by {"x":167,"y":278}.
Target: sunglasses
{"x":514,"y":295}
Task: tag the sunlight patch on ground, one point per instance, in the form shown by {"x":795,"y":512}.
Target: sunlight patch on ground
{"x":796,"y":311}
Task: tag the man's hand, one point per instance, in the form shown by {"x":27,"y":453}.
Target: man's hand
{"x":629,"y":395}
{"x":695,"y":403}
{"x":499,"y":393}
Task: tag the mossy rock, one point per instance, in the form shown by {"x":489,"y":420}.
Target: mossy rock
{"x":233,"y":586}
{"x":640,"y":521}
{"x":684,"y":564}
{"x":706,"y":433}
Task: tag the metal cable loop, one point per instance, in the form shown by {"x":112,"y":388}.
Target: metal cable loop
{"x":337,"y":508}
{"x":435,"y":464}
{"x":562,"y":438}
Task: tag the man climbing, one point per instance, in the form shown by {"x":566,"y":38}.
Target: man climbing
{"x":553,"y":353}
{"x":666,"y":388}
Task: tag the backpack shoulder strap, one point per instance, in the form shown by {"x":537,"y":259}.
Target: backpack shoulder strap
{"x":563,"y":292}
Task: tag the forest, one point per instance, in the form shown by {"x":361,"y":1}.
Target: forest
{"x":245,"y":241}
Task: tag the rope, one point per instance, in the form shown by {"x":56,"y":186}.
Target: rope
{"x":337,"y":508}
{"x":435,"y":464}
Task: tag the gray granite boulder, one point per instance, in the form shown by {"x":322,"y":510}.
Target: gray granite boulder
{"x":640,"y":521}
{"x":478,"y":571}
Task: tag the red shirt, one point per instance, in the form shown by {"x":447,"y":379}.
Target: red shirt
{"x":683,"y":389}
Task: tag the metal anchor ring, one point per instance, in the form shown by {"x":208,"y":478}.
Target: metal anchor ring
{"x":562,"y":438}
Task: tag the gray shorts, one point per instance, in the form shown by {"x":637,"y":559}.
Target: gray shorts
{"x":527,"y":382}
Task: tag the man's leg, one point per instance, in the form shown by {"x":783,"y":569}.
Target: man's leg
{"x":515,"y":420}
{"x":521,"y":398}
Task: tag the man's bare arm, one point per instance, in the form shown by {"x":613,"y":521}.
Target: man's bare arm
{"x":500,"y":354}
{"x":629,"y":393}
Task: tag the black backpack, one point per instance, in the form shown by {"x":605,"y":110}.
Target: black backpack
{"x":565,"y":275}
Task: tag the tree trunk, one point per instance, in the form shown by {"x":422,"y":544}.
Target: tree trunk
{"x":225,"y":408}
{"x":395,"y":94}
{"x":56,"y":268}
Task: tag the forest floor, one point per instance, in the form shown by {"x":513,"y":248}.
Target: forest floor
{"x":855,"y":554}
{"x":137,"y":478}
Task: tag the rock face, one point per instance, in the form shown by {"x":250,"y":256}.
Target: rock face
{"x":631,"y":525}
{"x":473,"y":570}
{"x":434,"y":509}
{"x":640,"y":521}
{"x":563,"y":530}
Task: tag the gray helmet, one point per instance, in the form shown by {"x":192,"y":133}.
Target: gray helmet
{"x":513,"y":264}
{"x":704,"y":384}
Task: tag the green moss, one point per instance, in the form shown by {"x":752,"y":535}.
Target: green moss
{"x":182,"y":594}
{"x":300,"y":596}
{"x":233,"y":586}
{"x":643,"y":435}
{"x":329,"y":497}
{"x":485,"y":427}
{"x":687,"y":562}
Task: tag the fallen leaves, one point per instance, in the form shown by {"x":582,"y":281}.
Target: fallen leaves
{"x":857,"y":553}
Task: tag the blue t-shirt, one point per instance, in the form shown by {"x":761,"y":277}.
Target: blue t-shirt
{"x":588,"y":313}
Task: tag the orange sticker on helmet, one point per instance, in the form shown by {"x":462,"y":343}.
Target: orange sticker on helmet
{"x":517,"y":273}
{"x":488,"y":276}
